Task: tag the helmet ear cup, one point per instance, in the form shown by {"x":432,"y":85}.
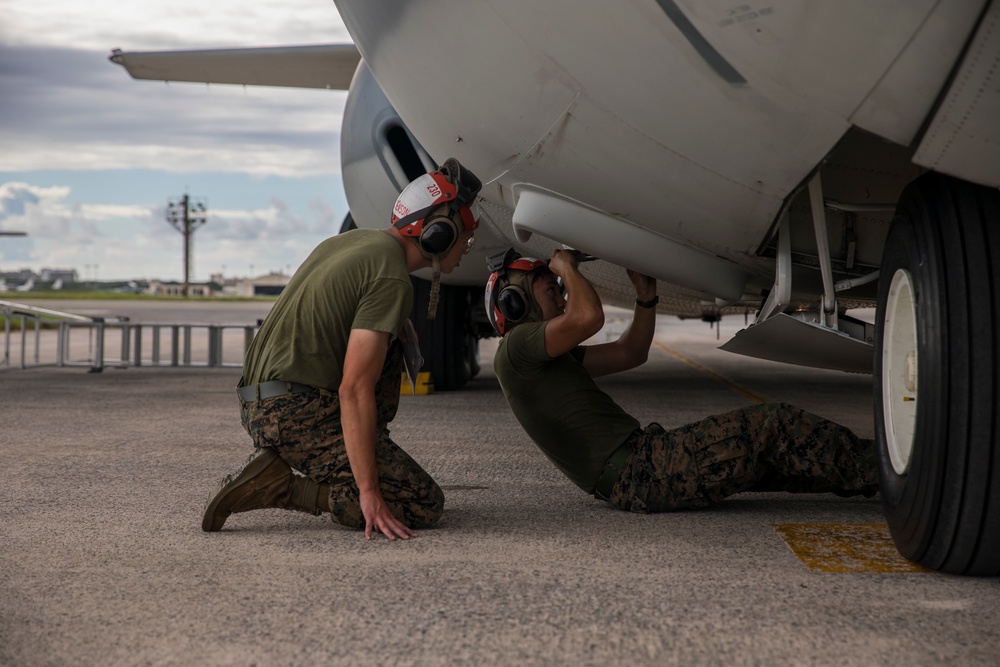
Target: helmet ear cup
{"x":439,"y":235}
{"x":512,"y":303}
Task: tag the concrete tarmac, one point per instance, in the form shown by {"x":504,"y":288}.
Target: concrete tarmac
{"x":103,"y":561}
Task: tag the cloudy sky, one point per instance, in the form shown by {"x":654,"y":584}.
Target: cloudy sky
{"x":89,"y":157}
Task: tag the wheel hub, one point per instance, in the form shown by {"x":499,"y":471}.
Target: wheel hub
{"x":900,"y":371}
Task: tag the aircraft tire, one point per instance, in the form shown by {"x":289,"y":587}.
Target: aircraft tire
{"x":444,"y":340}
{"x":937,"y":376}
{"x":473,"y":361}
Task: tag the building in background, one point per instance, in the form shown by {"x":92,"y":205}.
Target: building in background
{"x":53,"y":275}
{"x":174,"y":288}
{"x":270,"y":284}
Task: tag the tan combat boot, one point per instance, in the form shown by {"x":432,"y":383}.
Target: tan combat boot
{"x":264,"y":481}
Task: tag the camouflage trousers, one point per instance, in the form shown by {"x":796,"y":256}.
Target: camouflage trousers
{"x":771,"y":447}
{"x":306,"y":432}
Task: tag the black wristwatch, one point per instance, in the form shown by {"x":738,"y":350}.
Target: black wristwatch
{"x":648,"y":304}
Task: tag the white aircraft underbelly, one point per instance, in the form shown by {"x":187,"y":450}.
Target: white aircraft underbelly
{"x":695,"y":129}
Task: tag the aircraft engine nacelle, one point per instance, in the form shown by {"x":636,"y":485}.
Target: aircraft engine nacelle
{"x":379,"y":155}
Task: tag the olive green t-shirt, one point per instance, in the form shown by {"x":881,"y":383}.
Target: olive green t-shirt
{"x":576,"y":425}
{"x":355,"y":280}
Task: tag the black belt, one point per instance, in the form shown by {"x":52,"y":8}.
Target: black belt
{"x":614,"y":466}
{"x":271,"y":389}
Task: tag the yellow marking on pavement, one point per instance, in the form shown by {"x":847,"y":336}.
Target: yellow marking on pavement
{"x":845,"y":547}
{"x":742,"y":391}
{"x":425,"y":385}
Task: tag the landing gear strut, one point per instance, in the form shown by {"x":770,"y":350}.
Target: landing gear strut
{"x":448,"y":343}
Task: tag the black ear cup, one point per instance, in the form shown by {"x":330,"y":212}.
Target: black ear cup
{"x":439,"y":235}
{"x":512,"y":303}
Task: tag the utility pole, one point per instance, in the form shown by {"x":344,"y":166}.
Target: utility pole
{"x":186,"y":215}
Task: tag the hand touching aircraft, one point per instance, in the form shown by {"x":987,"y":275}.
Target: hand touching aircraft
{"x":793,"y":158}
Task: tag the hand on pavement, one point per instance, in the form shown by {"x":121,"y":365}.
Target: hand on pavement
{"x":378,"y":518}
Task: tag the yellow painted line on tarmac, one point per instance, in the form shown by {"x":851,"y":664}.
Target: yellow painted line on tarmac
{"x":845,"y":547}
{"x":424,"y":385}
{"x":742,"y":391}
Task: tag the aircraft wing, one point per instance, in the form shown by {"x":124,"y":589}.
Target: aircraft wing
{"x":329,"y":66}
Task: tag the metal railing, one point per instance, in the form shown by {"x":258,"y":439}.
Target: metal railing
{"x":36,"y":337}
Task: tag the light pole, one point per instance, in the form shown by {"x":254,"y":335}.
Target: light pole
{"x":186,"y":215}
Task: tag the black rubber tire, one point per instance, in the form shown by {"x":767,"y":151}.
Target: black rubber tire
{"x":944,"y":512}
{"x":473,"y":351}
{"x":445,"y":340}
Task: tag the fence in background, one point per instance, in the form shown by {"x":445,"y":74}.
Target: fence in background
{"x":38,"y":337}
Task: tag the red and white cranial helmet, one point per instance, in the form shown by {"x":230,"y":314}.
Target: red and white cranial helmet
{"x":437,"y":207}
{"x":509,"y":297}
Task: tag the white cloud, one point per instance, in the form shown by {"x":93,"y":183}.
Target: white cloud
{"x":55,"y":226}
{"x":40,"y":211}
{"x":113,"y":211}
{"x":161,"y":24}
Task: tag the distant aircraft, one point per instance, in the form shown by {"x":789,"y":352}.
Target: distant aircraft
{"x":26,"y":286}
{"x":57,"y":285}
{"x":131,"y":287}
{"x":794,"y":158}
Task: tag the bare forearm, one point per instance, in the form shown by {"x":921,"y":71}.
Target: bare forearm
{"x":582,"y":302}
{"x":632,"y":347}
{"x":358,"y":420}
{"x":638,"y":337}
